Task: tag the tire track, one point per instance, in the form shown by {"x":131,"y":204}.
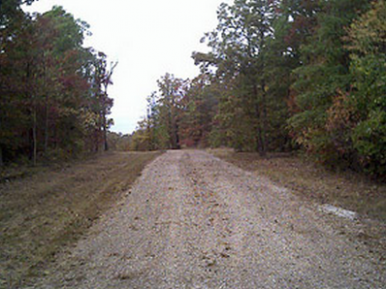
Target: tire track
{"x":194,"y":221}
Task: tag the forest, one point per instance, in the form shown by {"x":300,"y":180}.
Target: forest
{"x":279,"y":76}
{"x":284,"y":186}
{"x":53,"y":91}
{"x":282,"y":76}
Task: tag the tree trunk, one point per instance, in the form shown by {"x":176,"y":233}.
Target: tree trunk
{"x":174,"y":132}
{"x":177,"y":136}
{"x":35,"y":145}
{"x":104,"y":121}
{"x":259,"y":136}
{"x":264,"y":117}
{"x":106,"y":145}
{"x":260,"y":147}
{"x":149,"y":133}
{"x":96,"y":140}
{"x":104,"y":130}
{"x":1,"y":156}
{"x":46,"y":127}
{"x":263,"y":114}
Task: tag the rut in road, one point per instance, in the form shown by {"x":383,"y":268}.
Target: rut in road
{"x":194,"y":221}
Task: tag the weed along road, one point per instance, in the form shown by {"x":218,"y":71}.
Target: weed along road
{"x":194,"y":221}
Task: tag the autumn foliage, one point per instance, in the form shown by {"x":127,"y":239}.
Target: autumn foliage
{"x":53,"y":100}
{"x":286,"y":75}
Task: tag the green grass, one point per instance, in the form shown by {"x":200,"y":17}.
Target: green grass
{"x":45,"y":210}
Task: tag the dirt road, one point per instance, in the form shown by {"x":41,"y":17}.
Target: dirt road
{"x":194,"y":221}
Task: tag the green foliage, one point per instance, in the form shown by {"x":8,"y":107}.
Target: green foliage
{"x":51,"y":103}
{"x":313,"y":71}
{"x":118,"y":141}
{"x":246,"y":52}
{"x":367,"y":42}
{"x":160,"y":128}
{"x":369,"y":139}
{"x":10,"y":12}
{"x":321,"y":80}
{"x":180,"y":114}
{"x":199,"y":108}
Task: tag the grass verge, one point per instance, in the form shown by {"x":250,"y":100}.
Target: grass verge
{"x":48,"y":209}
{"x":348,"y":190}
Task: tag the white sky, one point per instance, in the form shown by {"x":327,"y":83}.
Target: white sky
{"x":147,"y":38}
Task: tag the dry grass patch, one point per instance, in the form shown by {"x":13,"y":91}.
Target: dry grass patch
{"x":348,"y":190}
{"x":48,"y":209}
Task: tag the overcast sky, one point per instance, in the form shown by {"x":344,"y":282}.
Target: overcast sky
{"x":147,"y":38}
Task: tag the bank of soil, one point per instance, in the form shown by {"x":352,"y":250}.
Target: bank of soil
{"x":195,"y":221}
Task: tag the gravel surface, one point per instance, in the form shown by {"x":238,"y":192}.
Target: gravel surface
{"x":194,"y":221}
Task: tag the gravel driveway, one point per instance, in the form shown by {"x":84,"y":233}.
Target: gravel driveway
{"x":194,"y":221}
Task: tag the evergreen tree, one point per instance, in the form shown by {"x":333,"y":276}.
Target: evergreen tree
{"x":367,"y":99}
{"x":323,"y":75}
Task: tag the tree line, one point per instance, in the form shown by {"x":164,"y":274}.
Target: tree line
{"x":53,"y":91}
{"x":281,"y":76}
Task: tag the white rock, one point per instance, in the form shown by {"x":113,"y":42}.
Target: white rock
{"x":338,"y":211}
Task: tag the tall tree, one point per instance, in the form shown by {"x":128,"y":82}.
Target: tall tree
{"x":199,"y":108}
{"x":239,"y":51}
{"x":102,"y":80}
{"x":46,"y":84}
{"x":323,"y":74}
{"x":171,"y":92}
{"x":366,"y":101}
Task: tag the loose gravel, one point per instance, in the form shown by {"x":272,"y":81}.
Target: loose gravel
{"x":194,"y":221}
